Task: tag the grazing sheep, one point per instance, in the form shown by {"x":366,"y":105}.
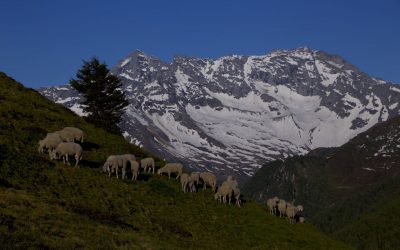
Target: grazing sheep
{"x":76,"y":133}
{"x":195,"y":177}
{"x":272,"y":205}
{"x":236,"y":195}
{"x":148,"y":162}
{"x":224,"y":193}
{"x":231,"y":181}
{"x":134,"y":169}
{"x":291,"y":212}
{"x":112,"y":163}
{"x":49,"y":143}
{"x":209,"y":179}
{"x":65,"y":135}
{"x":300,"y":208}
{"x":125,"y":159}
{"x":65,"y":149}
{"x":281,"y":207}
{"x":232,"y":184}
{"x":171,"y":168}
{"x":187,"y":183}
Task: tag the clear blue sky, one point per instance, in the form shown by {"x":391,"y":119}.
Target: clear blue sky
{"x":43,"y":43}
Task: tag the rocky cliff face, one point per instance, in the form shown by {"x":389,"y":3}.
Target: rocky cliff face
{"x":234,"y":113}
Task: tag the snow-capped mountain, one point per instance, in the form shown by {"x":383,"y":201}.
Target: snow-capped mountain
{"x":234,"y":113}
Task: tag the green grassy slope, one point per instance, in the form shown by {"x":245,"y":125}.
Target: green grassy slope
{"x":45,"y":204}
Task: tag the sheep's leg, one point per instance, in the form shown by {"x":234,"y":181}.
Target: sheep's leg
{"x":67,"y":159}
{"x":124,"y":172}
{"x":76,"y":160}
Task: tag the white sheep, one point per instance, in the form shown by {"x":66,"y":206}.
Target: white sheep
{"x":300,"y":208}
{"x":235,"y":187}
{"x":49,"y":143}
{"x":272,"y":205}
{"x":195,"y":177}
{"x":171,"y":168}
{"x":291,"y":212}
{"x":65,"y":149}
{"x":148,"y":163}
{"x":232,"y":185}
{"x":209,"y":179}
{"x":134,"y":169}
{"x":65,"y":135}
{"x":114,"y":162}
{"x":224,"y":193}
{"x":281,"y":207}
{"x":186,"y":183}
{"x":76,"y":133}
{"x":125,"y":159}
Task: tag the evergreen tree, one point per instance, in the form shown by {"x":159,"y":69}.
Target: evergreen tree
{"x":104,"y":102}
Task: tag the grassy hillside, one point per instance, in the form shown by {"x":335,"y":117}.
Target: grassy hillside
{"x":350,"y":191}
{"x":45,"y":204}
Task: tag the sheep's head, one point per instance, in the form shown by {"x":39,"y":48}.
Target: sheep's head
{"x":54,"y":155}
{"x":105,"y":167}
{"x":41,"y":146}
{"x":300,"y":208}
{"x":216,"y":197}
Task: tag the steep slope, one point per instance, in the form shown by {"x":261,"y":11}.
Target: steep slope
{"x":46,"y":205}
{"x":351,"y":191}
{"x":234,"y":113}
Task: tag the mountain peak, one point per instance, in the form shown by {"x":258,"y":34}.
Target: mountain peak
{"x":235,"y":112}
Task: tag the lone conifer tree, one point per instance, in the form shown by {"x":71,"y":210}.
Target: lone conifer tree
{"x":104,"y":101}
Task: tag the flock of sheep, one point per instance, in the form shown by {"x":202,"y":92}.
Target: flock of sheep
{"x":282,"y":208}
{"x":228,"y":191}
{"x":63,"y":143}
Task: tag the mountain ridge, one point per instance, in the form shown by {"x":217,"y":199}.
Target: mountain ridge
{"x":233,"y":113}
